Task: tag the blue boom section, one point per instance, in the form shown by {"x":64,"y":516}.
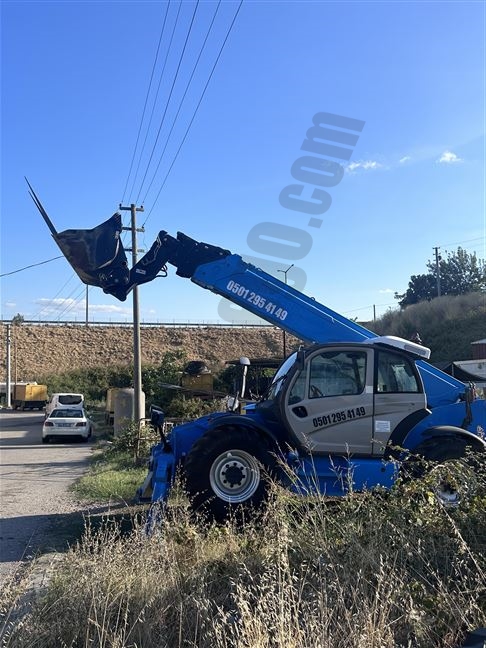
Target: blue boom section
{"x":283,"y":306}
{"x":280,"y":304}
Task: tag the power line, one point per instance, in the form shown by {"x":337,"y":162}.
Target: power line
{"x":459,"y":242}
{"x":197,"y":108}
{"x":466,"y":249}
{"x":182,"y":100}
{"x":33,"y":265}
{"x":65,"y":305}
{"x":72,"y":304}
{"x":169,"y":98}
{"x":146,"y":101}
{"x":168,"y":49}
{"x":367,"y":307}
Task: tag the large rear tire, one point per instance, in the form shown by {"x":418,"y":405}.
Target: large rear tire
{"x":449,"y":467}
{"x":228,"y":473}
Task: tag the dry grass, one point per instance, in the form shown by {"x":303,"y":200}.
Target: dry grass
{"x":368,"y":571}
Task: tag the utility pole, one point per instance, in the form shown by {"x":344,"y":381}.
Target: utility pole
{"x":15,"y":366}
{"x":437,"y":268}
{"x":87,"y":306}
{"x":137,"y":362}
{"x":284,"y":333}
{"x":8,"y":395}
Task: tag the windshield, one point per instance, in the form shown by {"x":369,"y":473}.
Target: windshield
{"x":279,"y":378}
{"x":70,"y":399}
{"x":67,"y":413}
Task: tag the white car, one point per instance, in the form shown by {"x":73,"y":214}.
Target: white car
{"x":63,"y":422}
{"x":64,"y":400}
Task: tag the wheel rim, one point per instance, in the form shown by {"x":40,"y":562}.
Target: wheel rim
{"x":452,"y":486}
{"x":447,"y":495}
{"x":235,"y":476}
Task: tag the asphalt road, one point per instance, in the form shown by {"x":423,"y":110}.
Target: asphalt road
{"x":34,"y":482}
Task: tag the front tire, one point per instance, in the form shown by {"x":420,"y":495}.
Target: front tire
{"x":228,"y":473}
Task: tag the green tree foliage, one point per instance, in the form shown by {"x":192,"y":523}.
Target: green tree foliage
{"x":168,"y":372}
{"x":460,"y":273}
{"x":94,"y":382}
{"x":18,"y":319}
{"x":190,"y":408}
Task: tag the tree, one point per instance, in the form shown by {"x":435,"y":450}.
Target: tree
{"x":459,"y":273}
{"x":18,"y":319}
{"x":420,"y":288}
{"x":167,"y":372}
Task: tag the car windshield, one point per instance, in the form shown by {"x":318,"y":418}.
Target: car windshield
{"x":67,"y":413}
{"x":279,"y":378}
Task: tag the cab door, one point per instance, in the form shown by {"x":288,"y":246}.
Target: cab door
{"x":328,"y":405}
{"x":398,"y":394}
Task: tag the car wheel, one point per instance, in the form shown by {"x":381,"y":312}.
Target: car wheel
{"x":45,"y":439}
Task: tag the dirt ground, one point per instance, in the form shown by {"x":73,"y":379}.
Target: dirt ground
{"x":37,"y":349}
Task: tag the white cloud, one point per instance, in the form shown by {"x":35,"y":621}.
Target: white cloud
{"x":385,"y":291}
{"x":56,"y":305}
{"x":365,"y":165}
{"x":361,"y":166}
{"x":448,"y":157}
{"x":78,"y":306}
{"x":10,"y":304}
{"x":109,"y":308}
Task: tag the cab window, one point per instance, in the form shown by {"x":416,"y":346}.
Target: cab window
{"x":337,"y":374}
{"x":297,"y":391}
{"x":395,"y":374}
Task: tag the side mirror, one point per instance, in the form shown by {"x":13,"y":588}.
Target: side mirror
{"x":157,"y":416}
{"x":245,"y":363}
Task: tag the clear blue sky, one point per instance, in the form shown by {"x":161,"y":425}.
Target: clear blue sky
{"x":75,"y":77}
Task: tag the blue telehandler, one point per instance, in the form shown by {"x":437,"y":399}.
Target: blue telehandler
{"x":347,"y":411}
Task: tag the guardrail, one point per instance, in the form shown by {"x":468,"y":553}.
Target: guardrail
{"x":188,"y":324}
